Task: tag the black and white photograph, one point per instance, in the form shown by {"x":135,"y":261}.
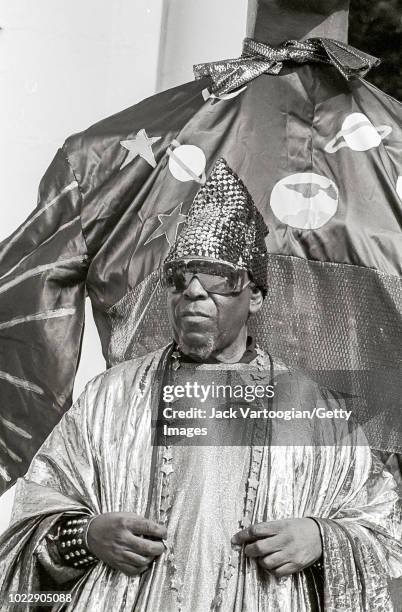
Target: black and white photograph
{"x":201,"y":306}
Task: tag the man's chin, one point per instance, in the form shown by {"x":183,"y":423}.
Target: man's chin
{"x":198,"y":348}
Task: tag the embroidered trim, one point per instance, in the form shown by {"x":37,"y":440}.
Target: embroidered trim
{"x":166,"y":470}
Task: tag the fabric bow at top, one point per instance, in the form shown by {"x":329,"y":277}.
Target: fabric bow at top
{"x":258,"y":58}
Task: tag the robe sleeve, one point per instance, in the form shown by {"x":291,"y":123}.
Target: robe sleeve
{"x":362,"y":546}
{"x":62,"y":479}
{"x":43,"y":267}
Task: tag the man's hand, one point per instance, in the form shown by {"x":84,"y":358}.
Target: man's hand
{"x":125,"y":541}
{"x":282,"y":547}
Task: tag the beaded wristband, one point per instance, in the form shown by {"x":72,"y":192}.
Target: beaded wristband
{"x":72,"y":542}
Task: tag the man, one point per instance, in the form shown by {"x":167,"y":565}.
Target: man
{"x":216,"y":527}
{"x":317,"y":147}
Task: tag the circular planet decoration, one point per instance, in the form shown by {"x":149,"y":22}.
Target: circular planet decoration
{"x":187,"y":162}
{"x":399,"y":186}
{"x":358,"y":134}
{"x":305,"y":200}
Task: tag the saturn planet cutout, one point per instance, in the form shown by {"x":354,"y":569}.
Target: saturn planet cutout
{"x":358,"y":134}
{"x":187,"y":162}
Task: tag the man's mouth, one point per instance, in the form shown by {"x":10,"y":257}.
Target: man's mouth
{"x":194,"y":314}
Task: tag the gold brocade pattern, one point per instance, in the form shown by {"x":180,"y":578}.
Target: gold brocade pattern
{"x":99,"y":459}
{"x":172,"y":458}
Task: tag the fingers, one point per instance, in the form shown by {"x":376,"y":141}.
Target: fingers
{"x":146,"y":527}
{"x":257,"y":531}
{"x":272,"y":562}
{"x":266,"y":546}
{"x":285,"y":570}
{"x":135,"y":560}
{"x":143,"y":547}
{"x":133,"y":564}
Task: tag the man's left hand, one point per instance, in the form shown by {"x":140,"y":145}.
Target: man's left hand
{"x":282,"y":547}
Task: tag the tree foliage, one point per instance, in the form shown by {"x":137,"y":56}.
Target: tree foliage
{"x":376,"y":27}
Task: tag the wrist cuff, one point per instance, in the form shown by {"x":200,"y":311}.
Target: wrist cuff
{"x":72,"y":542}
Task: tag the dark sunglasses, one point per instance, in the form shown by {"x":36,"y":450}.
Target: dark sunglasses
{"x":214,"y":276}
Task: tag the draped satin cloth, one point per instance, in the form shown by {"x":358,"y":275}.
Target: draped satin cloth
{"x":99,"y":459}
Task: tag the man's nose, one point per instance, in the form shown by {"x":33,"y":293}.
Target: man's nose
{"x":195,"y":290}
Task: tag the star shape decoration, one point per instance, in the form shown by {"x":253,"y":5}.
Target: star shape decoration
{"x":253,"y":483}
{"x":165,"y":506}
{"x":167,"y":469}
{"x":167,"y":453}
{"x":169,"y":224}
{"x":140,"y":145}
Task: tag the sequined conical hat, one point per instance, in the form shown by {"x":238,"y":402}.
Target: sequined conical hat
{"x":223,"y":223}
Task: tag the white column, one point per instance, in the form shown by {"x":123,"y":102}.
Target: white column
{"x":198,"y":31}
{"x":65,"y":64}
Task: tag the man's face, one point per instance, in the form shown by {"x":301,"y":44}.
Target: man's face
{"x":204,"y":323}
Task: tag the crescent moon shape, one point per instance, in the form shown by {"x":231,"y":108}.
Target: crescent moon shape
{"x":206,"y":94}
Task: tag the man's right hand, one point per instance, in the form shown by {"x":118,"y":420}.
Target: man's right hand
{"x":126,"y":541}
